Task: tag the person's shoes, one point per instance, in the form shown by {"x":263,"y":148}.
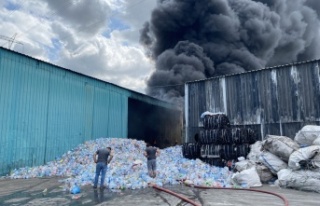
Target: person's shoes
{"x":102,"y":187}
{"x":94,"y":187}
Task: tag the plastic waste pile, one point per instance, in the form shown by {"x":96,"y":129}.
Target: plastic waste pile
{"x":128,"y":169}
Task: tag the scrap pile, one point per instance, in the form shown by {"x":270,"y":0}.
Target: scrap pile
{"x":296,"y":163}
{"x":287,"y":162}
{"x":128,"y":169}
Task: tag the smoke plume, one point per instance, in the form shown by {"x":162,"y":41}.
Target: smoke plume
{"x":197,"y":39}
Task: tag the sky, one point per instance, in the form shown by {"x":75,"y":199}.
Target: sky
{"x":98,"y":39}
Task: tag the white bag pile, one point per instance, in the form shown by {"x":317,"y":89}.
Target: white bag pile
{"x":296,"y":162}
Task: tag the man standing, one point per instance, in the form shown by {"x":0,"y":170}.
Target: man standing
{"x":151,"y":153}
{"x":104,"y":158}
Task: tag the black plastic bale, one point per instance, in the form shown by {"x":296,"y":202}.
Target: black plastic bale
{"x":191,"y":150}
{"x":216,"y":121}
{"x":218,"y":162}
{"x":216,"y":136}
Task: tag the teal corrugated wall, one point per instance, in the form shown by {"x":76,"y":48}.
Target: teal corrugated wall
{"x":46,"y":110}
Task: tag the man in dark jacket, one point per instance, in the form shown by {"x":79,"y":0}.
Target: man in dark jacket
{"x":104,"y":158}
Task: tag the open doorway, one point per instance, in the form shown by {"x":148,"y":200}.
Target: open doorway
{"x":154,"y":124}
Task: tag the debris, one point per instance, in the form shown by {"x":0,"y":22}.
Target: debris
{"x":128,"y":169}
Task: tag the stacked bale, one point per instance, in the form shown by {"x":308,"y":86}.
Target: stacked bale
{"x":218,"y":143}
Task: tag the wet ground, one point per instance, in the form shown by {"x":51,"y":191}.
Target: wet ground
{"x":49,"y":191}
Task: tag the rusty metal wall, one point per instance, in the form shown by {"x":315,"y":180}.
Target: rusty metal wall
{"x":277,"y":100}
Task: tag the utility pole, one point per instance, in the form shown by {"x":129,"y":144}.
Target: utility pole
{"x":10,"y":40}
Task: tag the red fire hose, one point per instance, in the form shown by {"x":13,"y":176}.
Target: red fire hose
{"x":177,"y":195}
{"x":286,"y":203}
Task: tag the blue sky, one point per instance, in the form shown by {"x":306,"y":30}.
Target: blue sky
{"x":11,"y":6}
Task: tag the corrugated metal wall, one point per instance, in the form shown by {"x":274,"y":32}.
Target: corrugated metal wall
{"x":46,"y":110}
{"x":278,"y":100}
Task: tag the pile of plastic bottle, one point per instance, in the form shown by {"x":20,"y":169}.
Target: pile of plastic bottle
{"x":128,"y":169}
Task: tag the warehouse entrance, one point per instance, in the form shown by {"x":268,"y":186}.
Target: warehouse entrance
{"x":153,"y":123}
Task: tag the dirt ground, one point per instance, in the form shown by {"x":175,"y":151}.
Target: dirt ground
{"x":49,"y":191}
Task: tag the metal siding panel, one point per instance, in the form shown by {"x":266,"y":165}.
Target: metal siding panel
{"x":296,"y":102}
{"x":89,"y":99}
{"x":214,"y":96}
{"x":316,"y":87}
{"x":285,"y":99}
{"x":186,"y":113}
{"x":196,"y":105}
{"x":308,"y":92}
{"x":124,"y":116}
{"x":101,"y":112}
{"x":40,"y":90}
{"x":7,"y":80}
{"x":274,"y":103}
{"x":202,"y":101}
{"x":18,"y":99}
{"x":13,"y":120}
{"x":115,"y":115}
{"x":232,"y":85}
{"x":51,"y":136}
{"x":67,"y":114}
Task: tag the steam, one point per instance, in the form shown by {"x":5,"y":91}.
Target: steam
{"x":197,"y":39}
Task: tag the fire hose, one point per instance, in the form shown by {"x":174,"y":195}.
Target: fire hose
{"x":182,"y":197}
{"x":286,"y":203}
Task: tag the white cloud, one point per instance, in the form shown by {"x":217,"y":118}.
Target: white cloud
{"x":74,"y":37}
{"x":110,"y":60}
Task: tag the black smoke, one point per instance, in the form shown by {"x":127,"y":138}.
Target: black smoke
{"x":197,"y":39}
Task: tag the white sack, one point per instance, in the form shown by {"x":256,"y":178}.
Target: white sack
{"x":308,"y":180}
{"x":255,"y":151}
{"x":247,"y":177}
{"x":274,"y":163}
{"x":316,"y":141}
{"x":243,"y":165}
{"x":307,"y":135}
{"x":264,"y":173}
{"x":280,"y":146}
{"x":309,"y":154}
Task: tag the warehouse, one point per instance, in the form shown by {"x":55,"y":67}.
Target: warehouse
{"x":276,"y":100}
{"x":46,"y":110}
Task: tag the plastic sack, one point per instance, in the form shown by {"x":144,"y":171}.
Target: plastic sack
{"x":307,"y":135}
{"x":243,"y":165}
{"x":316,"y":141}
{"x":247,"y":177}
{"x":302,"y":179}
{"x":264,"y":173}
{"x":307,"y":157}
{"x":280,"y":146}
{"x":274,"y":163}
{"x":255,"y":151}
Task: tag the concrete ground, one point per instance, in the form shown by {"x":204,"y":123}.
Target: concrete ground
{"x":48,"y":191}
